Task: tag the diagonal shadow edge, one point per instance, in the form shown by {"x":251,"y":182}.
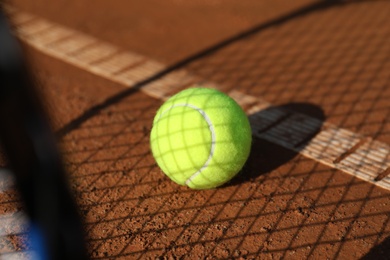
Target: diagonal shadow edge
{"x":92,"y":111}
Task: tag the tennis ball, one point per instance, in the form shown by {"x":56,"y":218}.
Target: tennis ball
{"x":200,"y":138}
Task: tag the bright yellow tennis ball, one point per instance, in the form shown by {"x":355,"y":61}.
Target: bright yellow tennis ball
{"x":200,"y":138}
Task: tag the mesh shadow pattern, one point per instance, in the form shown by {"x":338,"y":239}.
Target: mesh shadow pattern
{"x":201,"y":138}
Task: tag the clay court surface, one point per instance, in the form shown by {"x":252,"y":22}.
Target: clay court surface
{"x":327,"y":62}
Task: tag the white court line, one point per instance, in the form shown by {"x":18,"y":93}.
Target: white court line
{"x":327,"y":144}
{"x":14,"y":224}
{"x":25,"y":255}
{"x":6,"y":180}
{"x":103,"y":59}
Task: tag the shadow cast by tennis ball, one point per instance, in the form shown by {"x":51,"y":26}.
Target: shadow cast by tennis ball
{"x":380,"y":251}
{"x":266,"y":155}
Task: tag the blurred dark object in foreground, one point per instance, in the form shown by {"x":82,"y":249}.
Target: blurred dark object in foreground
{"x":34,"y":159}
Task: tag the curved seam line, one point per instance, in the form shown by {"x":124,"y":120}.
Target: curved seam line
{"x":211,"y":128}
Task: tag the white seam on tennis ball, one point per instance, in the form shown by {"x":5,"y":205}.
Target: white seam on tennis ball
{"x":211,"y":127}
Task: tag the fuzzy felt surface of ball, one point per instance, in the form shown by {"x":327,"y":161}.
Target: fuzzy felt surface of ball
{"x":200,"y":138}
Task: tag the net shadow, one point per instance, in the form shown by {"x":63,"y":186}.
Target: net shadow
{"x":283,"y":204}
{"x":262,"y":158}
{"x":305,"y":10}
{"x":298,"y":208}
{"x":332,"y":58}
